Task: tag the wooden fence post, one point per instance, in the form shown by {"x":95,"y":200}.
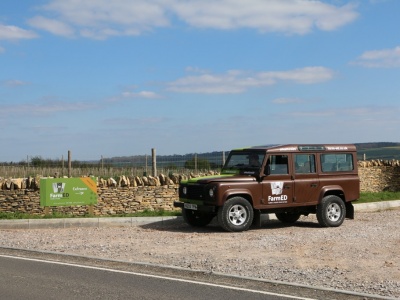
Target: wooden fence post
{"x":69,"y":164}
{"x":154,"y":162}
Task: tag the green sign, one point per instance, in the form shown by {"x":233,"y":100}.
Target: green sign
{"x":68,"y":191}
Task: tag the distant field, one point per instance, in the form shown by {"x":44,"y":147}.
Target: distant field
{"x":387,"y":153}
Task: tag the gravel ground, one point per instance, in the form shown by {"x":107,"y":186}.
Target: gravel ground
{"x":362,"y":255}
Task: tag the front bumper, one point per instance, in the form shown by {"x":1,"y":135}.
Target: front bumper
{"x":200,"y":208}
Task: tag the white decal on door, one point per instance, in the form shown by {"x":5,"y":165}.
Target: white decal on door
{"x":277,"y":189}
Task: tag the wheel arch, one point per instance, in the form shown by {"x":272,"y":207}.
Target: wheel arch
{"x":335,"y":190}
{"x":238,"y":193}
{"x":338,"y":191}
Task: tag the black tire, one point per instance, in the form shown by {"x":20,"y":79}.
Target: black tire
{"x":236,"y":215}
{"x":287,"y":217}
{"x":196,"y":219}
{"x":331,"y":211}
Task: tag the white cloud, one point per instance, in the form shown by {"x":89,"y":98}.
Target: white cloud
{"x":289,"y":16}
{"x":102,"y":18}
{"x":141,"y":94}
{"x":135,"y":121}
{"x":127,"y":95}
{"x":359,"y":113}
{"x":307,"y":75}
{"x":196,"y":70}
{"x":235,"y":81}
{"x":54,"y":26}
{"x":386,"y":58}
{"x":41,"y":108}
{"x":287,"y":101}
{"x":9,"y":32}
{"x":13,"y":83}
{"x":378,"y":1}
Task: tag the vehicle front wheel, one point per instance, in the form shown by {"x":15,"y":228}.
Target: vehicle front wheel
{"x":196,"y":219}
{"x":331,"y":211}
{"x":236,"y":215}
{"x":286,"y":217}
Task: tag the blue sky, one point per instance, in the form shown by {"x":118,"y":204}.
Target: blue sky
{"x":117,"y":78}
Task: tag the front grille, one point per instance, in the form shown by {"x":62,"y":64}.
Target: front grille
{"x":195,"y":192}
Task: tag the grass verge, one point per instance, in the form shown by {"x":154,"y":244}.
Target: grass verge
{"x":145,"y":213}
{"x":367,"y":197}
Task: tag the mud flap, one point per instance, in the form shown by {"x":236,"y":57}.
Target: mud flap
{"x":257,"y":218}
{"x":349,"y":210}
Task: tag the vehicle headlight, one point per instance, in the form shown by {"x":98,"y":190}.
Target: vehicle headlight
{"x":211,"y":193}
{"x":184,"y":190}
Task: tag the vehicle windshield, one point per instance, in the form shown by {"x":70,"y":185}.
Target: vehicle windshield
{"x":242,"y":162}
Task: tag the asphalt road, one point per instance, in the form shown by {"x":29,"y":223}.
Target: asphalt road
{"x":27,"y":278}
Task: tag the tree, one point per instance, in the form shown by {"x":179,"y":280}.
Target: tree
{"x":37,"y":161}
{"x":201,"y":164}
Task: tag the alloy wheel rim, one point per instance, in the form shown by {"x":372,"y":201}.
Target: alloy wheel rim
{"x":237,"y":215}
{"x":334,"y":212}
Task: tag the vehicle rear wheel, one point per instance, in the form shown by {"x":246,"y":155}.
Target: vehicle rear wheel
{"x":331,"y":211}
{"x":287,"y":217}
{"x":195,"y":218}
{"x":236,"y":215}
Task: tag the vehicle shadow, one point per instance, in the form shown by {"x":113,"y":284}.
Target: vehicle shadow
{"x":178,"y":225}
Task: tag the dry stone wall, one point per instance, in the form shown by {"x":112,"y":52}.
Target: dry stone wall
{"x":379,"y":175}
{"x":129,"y":195}
{"x":115,"y":196}
{"x":111,"y":201}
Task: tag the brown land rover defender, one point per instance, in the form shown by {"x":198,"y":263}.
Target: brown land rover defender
{"x":288,"y":180}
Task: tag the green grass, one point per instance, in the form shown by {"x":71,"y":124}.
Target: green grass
{"x":150,"y":213}
{"x":367,"y":197}
{"x":15,"y":216}
{"x":145,"y":213}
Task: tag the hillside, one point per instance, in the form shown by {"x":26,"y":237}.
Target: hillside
{"x":382,"y":150}
{"x":373,"y":150}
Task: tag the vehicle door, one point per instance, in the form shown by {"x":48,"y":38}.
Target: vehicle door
{"x":277,"y":183}
{"x":306,"y":183}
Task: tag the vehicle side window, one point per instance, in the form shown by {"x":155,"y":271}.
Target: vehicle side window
{"x":338,"y":162}
{"x":304,"y":163}
{"x":278,"y":164}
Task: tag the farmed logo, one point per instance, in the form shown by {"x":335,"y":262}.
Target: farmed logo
{"x":277,"y":189}
{"x":58,"y":187}
{"x":58,"y":191}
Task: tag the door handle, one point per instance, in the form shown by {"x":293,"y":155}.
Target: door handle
{"x":313,"y":185}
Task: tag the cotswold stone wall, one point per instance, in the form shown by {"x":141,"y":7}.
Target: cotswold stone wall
{"x":111,"y":201}
{"x":378,"y":175}
{"x":130,"y":195}
{"x":124,"y":195}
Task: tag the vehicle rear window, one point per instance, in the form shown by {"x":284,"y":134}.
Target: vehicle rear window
{"x":337,"y":162}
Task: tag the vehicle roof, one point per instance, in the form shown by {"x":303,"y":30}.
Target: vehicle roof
{"x":301,"y":148}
